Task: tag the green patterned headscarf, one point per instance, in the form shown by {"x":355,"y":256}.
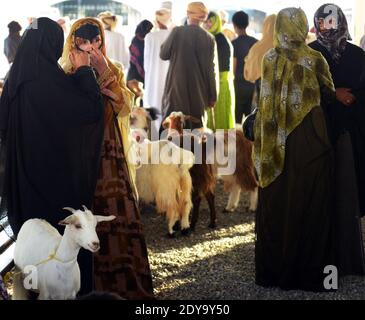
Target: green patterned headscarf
{"x":216,"y":23}
{"x":292,"y":75}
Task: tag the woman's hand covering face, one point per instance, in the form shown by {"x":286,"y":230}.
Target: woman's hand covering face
{"x":98,"y":61}
{"x":79,"y":59}
{"x":87,"y":45}
{"x":93,"y":48}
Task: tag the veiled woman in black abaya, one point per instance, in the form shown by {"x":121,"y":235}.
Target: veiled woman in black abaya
{"x":299,"y":228}
{"x":347,"y":65}
{"x":293,"y":158}
{"x":52,"y":130}
{"x":346,"y":118}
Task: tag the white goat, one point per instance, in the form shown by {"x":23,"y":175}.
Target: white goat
{"x":163,"y":177}
{"x":51,"y":259}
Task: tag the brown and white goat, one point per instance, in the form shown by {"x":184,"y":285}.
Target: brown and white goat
{"x":141,"y":120}
{"x":243,"y":177}
{"x":203,"y":173}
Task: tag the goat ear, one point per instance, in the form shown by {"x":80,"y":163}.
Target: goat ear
{"x":69,"y":220}
{"x":104,"y":218}
{"x":153,"y":113}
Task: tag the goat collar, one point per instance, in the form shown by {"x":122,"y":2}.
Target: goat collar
{"x":53,"y":256}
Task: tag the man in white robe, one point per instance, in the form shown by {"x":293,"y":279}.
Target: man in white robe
{"x":155,"y":68}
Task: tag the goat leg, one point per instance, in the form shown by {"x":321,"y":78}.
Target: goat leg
{"x":234,"y":198}
{"x":185,"y":226}
{"x":253,"y":200}
{"x":211,"y":202}
{"x":196,"y":206}
{"x":172,"y":218}
{"x":177,"y":226}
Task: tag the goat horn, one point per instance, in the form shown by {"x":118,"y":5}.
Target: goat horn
{"x":85,"y":208}
{"x":69,"y":209}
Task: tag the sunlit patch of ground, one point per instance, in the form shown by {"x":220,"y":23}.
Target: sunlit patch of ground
{"x":218,"y":264}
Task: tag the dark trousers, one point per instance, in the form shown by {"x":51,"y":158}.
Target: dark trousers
{"x":244,"y":94}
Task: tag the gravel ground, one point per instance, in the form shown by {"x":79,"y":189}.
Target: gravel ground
{"x":219,"y":264}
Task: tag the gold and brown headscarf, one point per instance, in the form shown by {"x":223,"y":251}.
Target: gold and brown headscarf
{"x":70,"y":41}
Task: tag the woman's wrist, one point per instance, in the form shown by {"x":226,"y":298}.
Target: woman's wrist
{"x":101,"y":70}
{"x":104,"y":76}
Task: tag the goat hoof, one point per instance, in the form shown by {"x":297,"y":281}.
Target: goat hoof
{"x":177,"y":226}
{"x":186,"y":232}
{"x":228,"y":210}
{"x":212,"y":225}
{"x":171,"y":235}
{"x":147,"y":209}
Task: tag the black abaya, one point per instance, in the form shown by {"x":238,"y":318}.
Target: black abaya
{"x":52,"y":130}
{"x":349,"y":73}
{"x":293,"y":220}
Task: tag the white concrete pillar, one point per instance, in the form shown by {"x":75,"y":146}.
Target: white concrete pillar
{"x":359,"y":17}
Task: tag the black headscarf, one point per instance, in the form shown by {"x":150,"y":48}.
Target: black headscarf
{"x":52,"y":130}
{"x":41,"y":45}
{"x":14,"y":27}
{"x":143,"y":28}
{"x":88,"y":31}
{"x":333,"y":39}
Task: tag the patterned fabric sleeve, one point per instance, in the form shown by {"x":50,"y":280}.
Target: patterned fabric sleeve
{"x":121,"y":106}
{"x":3,"y":292}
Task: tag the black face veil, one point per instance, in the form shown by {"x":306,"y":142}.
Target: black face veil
{"x":88,"y":32}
